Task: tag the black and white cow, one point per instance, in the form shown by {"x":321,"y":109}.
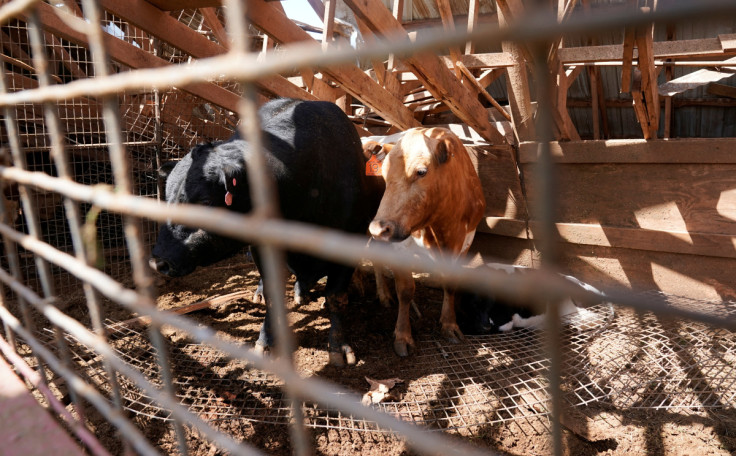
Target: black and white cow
{"x":479,"y":314}
{"x":314,"y":155}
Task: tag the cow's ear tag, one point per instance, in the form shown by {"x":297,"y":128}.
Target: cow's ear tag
{"x":234,"y":182}
{"x":373,"y":166}
{"x":229,"y":198}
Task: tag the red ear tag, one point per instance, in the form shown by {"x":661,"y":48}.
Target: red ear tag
{"x":234,"y":182}
{"x":229,"y":198}
{"x":373,"y":166}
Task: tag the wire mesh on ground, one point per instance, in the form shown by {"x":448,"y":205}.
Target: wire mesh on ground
{"x":615,"y":358}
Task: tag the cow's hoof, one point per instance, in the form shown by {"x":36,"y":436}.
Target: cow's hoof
{"x":453,"y":335}
{"x":342,"y":357}
{"x":401,"y":348}
{"x":260,"y":349}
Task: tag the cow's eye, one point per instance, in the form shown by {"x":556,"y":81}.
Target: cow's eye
{"x":421,"y":172}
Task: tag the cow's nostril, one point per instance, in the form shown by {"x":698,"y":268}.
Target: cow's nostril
{"x":381,"y":229}
{"x":159,"y":265}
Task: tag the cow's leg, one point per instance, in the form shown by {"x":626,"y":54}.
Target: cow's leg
{"x":336,"y":300}
{"x":258,"y":295}
{"x":382,"y":289}
{"x":302,"y":293}
{"x":402,"y":333}
{"x":450,"y":329}
{"x":265,"y":337}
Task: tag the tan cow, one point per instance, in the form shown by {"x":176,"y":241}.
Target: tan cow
{"x":433,"y":200}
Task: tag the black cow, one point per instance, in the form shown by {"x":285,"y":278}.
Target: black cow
{"x":314,"y":154}
{"x":479,"y":314}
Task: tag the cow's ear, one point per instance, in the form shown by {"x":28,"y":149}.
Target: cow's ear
{"x":199,"y":149}
{"x":165,"y":169}
{"x":371,"y":148}
{"x":442,"y":153}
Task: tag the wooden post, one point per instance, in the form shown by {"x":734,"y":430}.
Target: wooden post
{"x":329,"y":22}
{"x":473,"y":7}
{"x":668,"y":74}
{"x":398,"y":12}
{"x":593,"y":84}
{"x":517,"y":80}
{"x":448,"y":24}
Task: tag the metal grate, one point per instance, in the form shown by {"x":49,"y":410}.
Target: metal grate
{"x":612,"y":359}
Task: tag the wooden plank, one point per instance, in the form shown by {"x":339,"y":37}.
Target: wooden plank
{"x":474,"y":61}
{"x":648,"y":76}
{"x":162,"y":25}
{"x":131,"y":56}
{"x":637,"y":98}
{"x":397,"y":10}
{"x":214,"y":23}
{"x":448,"y":25}
{"x":26,"y":428}
{"x":517,"y":80}
{"x":593,"y":84}
{"x":350,"y":77}
{"x":721,"y":90}
{"x":627,"y":58}
{"x":668,"y":75}
{"x":698,"y":48}
{"x":671,"y":241}
{"x":430,"y":70}
{"x":328,"y":19}
{"x":728,"y":42}
{"x":482,"y":91}
{"x":623,"y":151}
{"x":473,"y":9}
{"x":174,"y":5}
{"x":695,"y":79}
{"x":498,"y":172}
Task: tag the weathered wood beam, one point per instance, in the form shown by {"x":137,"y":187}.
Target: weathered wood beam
{"x":517,"y":79}
{"x":397,"y":10}
{"x":668,"y":75}
{"x":173,"y":5}
{"x":593,"y":84}
{"x":448,"y":25}
{"x":350,"y":77}
{"x":328,"y":19}
{"x":627,"y":59}
{"x":621,"y":151}
{"x":162,"y":25}
{"x":652,"y":240}
{"x":473,"y":8}
{"x":721,"y":90}
{"x":698,"y":48}
{"x":482,"y":91}
{"x":696,"y":79}
{"x":214,"y":23}
{"x":644,"y":37}
{"x":129,"y":55}
{"x":431,"y":71}
{"x":640,"y":108}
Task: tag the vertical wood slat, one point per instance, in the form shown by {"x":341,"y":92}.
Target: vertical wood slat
{"x":473,"y":7}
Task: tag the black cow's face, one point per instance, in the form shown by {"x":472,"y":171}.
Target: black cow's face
{"x":211,"y":176}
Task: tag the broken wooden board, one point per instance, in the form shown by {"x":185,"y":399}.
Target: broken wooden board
{"x":697,"y":79}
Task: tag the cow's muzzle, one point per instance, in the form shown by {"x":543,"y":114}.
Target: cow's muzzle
{"x":162,"y":266}
{"x":386,"y":230}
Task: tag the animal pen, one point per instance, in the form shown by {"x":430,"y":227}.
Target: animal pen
{"x":603,"y":133}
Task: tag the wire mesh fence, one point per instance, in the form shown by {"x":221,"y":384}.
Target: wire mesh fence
{"x":86,"y":135}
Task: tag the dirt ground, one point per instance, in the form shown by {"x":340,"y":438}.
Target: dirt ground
{"x":370,"y":328}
